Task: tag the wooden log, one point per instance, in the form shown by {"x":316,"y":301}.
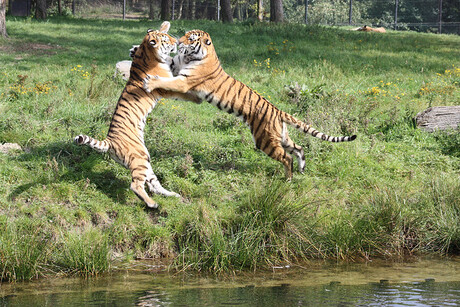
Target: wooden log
{"x":439,"y":118}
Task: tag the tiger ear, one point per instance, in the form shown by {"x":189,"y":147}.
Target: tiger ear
{"x":164,"y":28}
{"x":207,"y":42}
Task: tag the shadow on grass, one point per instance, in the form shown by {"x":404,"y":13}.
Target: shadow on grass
{"x":66,"y":162}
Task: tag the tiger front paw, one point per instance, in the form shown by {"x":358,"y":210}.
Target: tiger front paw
{"x":149,"y":83}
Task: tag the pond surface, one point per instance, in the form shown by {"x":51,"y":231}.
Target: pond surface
{"x":378,"y":283}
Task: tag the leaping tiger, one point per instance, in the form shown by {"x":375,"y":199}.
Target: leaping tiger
{"x":125,"y":138}
{"x":201,"y":74}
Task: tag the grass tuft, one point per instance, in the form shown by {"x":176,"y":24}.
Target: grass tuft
{"x":25,"y":248}
{"x":85,"y":252}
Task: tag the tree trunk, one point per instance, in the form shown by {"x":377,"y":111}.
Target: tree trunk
{"x":40,"y":9}
{"x":179,"y":11}
{"x":186,"y":9}
{"x":192,"y":9}
{"x":2,"y":19}
{"x":226,"y":11}
{"x":165,"y":10}
{"x":212,"y":12}
{"x":276,"y":11}
{"x":237,"y":12}
{"x":260,"y":10}
{"x":151,"y":9}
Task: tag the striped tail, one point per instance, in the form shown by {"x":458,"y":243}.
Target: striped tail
{"x":291,"y":120}
{"x":101,"y":146}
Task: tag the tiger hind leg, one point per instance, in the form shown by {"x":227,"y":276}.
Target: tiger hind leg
{"x":139,"y":176}
{"x":275,"y":151}
{"x":143,"y":174}
{"x":150,"y":178}
{"x":137,"y":186}
{"x":296,"y":150}
{"x":156,"y":187}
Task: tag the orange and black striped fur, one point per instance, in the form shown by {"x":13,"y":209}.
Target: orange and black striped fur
{"x":125,"y":138}
{"x":369,"y":29}
{"x":201,"y":74}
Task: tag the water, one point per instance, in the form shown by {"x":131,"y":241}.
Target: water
{"x":418,"y":283}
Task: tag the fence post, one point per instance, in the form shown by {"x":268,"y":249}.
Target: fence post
{"x":218,"y":10}
{"x":124,"y":9}
{"x":440,"y":17}
{"x":396,"y":14}
{"x":306,"y":12}
{"x":350,"y":12}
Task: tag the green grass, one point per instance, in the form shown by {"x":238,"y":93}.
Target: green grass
{"x":392,"y":192}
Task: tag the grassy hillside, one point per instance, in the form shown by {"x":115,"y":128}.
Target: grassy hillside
{"x":394,"y":191}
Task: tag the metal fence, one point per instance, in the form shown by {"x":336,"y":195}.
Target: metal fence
{"x":438,"y":16}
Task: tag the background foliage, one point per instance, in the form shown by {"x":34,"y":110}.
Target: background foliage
{"x":419,"y":15}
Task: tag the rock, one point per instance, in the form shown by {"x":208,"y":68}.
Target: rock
{"x":439,"y":118}
{"x":123,"y":68}
{"x":7,"y":147}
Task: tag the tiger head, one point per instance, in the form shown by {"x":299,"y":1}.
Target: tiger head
{"x":196,"y":44}
{"x":157,"y":42}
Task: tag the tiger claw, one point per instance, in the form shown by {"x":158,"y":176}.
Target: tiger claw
{"x":145,"y":84}
{"x":147,"y":80}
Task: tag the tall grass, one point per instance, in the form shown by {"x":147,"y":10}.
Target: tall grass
{"x":84,"y":252}
{"x":272,"y":227}
{"x":24,"y":250}
{"x":376,"y":197}
{"x":263,"y":231}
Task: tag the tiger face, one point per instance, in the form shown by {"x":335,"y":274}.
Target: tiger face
{"x":195,"y":44}
{"x":160,"y":43}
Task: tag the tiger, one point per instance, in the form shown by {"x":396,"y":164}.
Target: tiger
{"x":125,"y":137}
{"x":369,"y":29}
{"x":202,"y":75}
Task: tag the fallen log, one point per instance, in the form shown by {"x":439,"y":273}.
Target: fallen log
{"x":439,"y":118}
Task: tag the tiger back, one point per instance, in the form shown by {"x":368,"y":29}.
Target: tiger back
{"x":201,"y":74}
{"x":369,"y":29}
{"x":125,"y":137}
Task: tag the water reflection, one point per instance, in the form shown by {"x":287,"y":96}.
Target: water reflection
{"x":433,"y":283}
{"x":434,"y":294}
